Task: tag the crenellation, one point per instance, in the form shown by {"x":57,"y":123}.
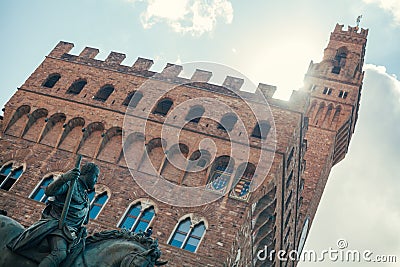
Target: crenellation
{"x":89,"y":52}
{"x":60,"y":49}
{"x":201,"y":76}
{"x":171,"y":71}
{"x":142,"y":64}
{"x":353,"y":31}
{"x":114,"y":58}
{"x":267,"y":90}
{"x":233,"y":83}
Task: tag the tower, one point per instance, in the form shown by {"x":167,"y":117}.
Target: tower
{"x":335,"y":89}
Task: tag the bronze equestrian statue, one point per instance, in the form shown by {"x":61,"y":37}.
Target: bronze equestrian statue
{"x":62,"y":226}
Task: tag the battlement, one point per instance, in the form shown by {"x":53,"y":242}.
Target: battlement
{"x":200,"y":78}
{"x":352,"y":34}
{"x":352,"y":31}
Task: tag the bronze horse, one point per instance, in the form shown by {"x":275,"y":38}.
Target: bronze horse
{"x":108,"y":248}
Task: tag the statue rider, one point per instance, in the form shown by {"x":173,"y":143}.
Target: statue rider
{"x":64,"y":235}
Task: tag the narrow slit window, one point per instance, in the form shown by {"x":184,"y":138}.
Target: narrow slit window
{"x":289,"y":179}
{"x":290,"y":156}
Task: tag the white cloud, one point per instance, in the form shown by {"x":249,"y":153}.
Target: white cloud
{"x":193,"y":17}
{"x":391,"y":78}
{"x":393,"y":6}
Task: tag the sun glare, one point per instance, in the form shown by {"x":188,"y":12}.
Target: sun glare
{"x":283,"y":62}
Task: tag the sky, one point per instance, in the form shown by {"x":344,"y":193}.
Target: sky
{"x":270,"y":42}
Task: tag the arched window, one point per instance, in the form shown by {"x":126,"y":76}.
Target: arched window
{"x":340,"y":60}
{"x":220,"y":174}
{"x":195,"y":114}
{"x":104,"y":93}
{"x":163,"y":106}
{"x":138,"y":217}
{"x":228,"y":121}
{"x":51,"y":80}
{"x":97,"y":203}
{"x":39,"y":194}
{"x":132,"y":99}
{"x":76,"y":87}
{"x":9,"y":175}
{"x":188,"y":235}
{"x":261,"y":130}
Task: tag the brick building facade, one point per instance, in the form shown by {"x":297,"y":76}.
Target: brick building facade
{"x":76,"y":104}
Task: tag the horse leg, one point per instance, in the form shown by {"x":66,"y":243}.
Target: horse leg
{"x":58,"y":246}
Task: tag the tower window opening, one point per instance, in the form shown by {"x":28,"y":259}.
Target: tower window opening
{"x":343,"y":94}
{"x":327,"y":91}
{"x":336,"y":70}
{"x":313,"y":87}
{"x":340,"y":60}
